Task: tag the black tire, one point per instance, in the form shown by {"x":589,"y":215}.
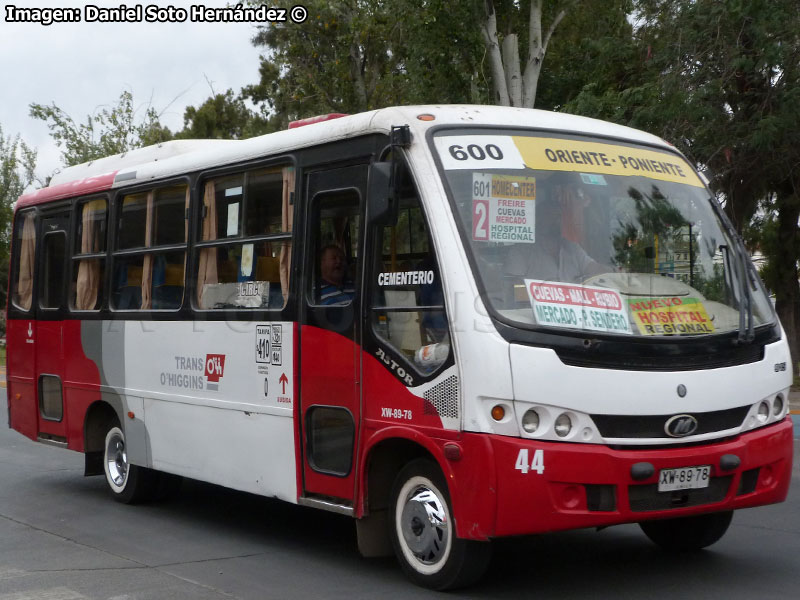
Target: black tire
{"x":423,"y":531}
{"x":688,"y":533}
{"x":129,"y":484}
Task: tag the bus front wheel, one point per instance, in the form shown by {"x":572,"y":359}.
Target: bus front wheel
{"x":688,"y":533}
{"x":423,"y":532}
{"x":128,"y":483}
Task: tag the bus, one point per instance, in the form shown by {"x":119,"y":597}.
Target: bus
{"x":451,"y":323}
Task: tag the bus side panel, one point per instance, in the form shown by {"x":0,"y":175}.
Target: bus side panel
{"x":21,"y":365}
{"x":388,"y":400}
{"x":212,"y":400}
{"x":81,"y":379}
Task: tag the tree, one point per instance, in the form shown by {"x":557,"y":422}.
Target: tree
{"x":17,"y":164}
{"x":594,"y":57}
{"x":222,"y":116}
{"x":357,"y":55}
{"x":513,"y":86}
{"x":111,"y":131}
{"x":721,"y":80}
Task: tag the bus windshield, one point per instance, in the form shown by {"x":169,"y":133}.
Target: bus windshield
{"x":577,"y":233}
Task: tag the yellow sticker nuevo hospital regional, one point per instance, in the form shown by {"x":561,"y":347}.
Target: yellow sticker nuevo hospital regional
{"x":670,"y":316}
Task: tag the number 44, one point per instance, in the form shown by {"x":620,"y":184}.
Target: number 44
{"x":537,"y":464}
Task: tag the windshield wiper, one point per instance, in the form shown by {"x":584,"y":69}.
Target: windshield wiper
{"x":746,"y":333}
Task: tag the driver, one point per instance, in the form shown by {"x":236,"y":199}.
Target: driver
{"x":552,"y":257}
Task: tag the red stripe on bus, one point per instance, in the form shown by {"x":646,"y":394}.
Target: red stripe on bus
{"x":78,"y":187}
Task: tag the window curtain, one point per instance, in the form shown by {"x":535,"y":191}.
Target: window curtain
{"x":207,"y":270}
{"x":147,"y":267}
{"x":26,"y":262}
{"x":89,"y":269}
{"x":287,"y":217}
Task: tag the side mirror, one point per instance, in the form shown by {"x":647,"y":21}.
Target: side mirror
{"x":381,"y":196}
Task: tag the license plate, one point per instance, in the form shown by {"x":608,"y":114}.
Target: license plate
{"x":686,"y":478}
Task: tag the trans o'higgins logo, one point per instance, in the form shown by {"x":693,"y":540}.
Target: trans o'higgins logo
{"x":681,"y":426}
{"x":215,"y":369}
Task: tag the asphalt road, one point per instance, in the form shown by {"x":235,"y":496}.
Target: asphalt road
{"x":63,"y":538}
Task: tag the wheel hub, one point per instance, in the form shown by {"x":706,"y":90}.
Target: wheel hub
{"x":424,"y":525}
{"x":117,"y":460}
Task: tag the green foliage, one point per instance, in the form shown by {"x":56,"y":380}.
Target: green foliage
{"x":356,"y":55}
{"x":222,"y":116}
{"x":111,"y":131}
{"x":17,"y":164}
{"x":593,"y":49}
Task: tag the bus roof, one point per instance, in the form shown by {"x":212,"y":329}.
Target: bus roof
{"x":177,"y":157}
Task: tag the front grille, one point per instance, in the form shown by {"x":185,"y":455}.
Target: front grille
{"x":644,"y":498}
{"x":652,"y":426}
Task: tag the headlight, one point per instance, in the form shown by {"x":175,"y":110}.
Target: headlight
{"x":777,"y":406}
{"x":563,"y":425}
{"x":530,"y":421}
{"x":763,"y":412}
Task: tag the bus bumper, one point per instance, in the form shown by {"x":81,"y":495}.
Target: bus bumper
{"x":577,"y":485}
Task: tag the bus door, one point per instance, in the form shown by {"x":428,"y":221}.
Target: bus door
{"x":330,"y":365}
{"x":50,"y":311}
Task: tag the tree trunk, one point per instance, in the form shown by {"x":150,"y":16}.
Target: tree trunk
{"x":536,"y":49}
{"x":512,"y":70}
{"x":506,"y":67}
{"x":357,"y":72}
{"x":787,"y":292}
{"x":489,"y":31}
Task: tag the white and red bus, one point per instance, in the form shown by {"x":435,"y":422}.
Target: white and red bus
{"x":450,"y":323}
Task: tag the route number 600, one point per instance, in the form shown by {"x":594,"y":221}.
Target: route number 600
{"x":523,"y":464}
{"x":476,"y":151}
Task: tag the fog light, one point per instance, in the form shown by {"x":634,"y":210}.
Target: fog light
{"x":530,"y":421}
{"x":563,"y":425}
{"x":498,"y":412}
{"x":763,"y":412}
{"x":777,"y":406}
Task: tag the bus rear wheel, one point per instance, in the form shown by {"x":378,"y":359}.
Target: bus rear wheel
{"x":128,"y":483}
{"x":688,"y":533}
{"x":423,"y":533}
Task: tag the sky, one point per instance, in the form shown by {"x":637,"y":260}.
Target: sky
{"x":84,"y":67}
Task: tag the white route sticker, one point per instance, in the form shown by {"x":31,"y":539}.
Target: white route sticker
{"x":558,"y":304}
{"x":478,"y":152}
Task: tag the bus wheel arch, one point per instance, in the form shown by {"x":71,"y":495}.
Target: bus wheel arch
{"x":106,"y":454}
{"x":383,"y":462}
{"x":100,"y":417}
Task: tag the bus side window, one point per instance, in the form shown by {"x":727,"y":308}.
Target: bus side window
{"x":51,"y":286}
{"x":407,"y":311}
{"x":245,"y":240}
{"x":89,"y":260}
{"x":150,"y":275}
{"x":24,"y":260}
